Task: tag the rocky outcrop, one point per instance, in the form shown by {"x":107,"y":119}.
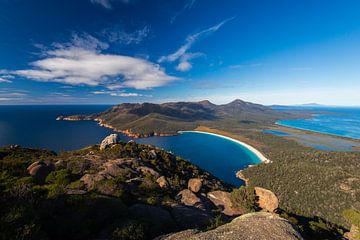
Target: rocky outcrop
{"x":354,"y":233}
{"x":267,"y":200}
{"x":222,"y":200}
{"x":190,"y":199}
{"x":162,"y":181}
{"x":153,"y":154}
{"x":257,"y":226}
{"x":90,"y":180}
{"x":150,"y":171}
{"x":191,"y":217}
{"x":39,"y":170}
{"x":109,"y":140}
{"x":195,"y":184}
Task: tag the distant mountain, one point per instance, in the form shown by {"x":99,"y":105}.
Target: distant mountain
{"x":146,"y":119}
{"x":311,"y":105}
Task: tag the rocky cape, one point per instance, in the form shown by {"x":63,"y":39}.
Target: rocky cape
{"x":138,"y":189}
{"x":149,"y":119}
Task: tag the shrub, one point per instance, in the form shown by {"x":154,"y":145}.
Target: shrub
{"x":61,"y":177}
{"x":353,"y":216}
{"x":244,"y":198}
{"x":131,"y":231}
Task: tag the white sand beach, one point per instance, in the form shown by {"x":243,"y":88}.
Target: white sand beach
{"x":249,"y":147}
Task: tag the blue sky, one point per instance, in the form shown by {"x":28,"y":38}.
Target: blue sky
{"x":114,"y":51}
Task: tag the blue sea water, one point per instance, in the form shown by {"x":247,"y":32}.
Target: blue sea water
{"x":36,"y":127}
{"x":339,"y":121}
{"x":219,"y":156}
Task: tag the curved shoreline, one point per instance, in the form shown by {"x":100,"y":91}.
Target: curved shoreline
{"x":315,"y":131}
{"x":257,"y":153}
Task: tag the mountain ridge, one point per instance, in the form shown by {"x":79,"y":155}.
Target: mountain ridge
{"x":149,"y":119}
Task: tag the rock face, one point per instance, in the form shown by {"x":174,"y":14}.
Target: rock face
{"x":150,"y":171}
{"x":189,"y":198}
{"x":39,"y":170}
{"x":267,"y":199}
{"x":162,"y":181}
{"x":195,"y":184}
{"x":109,"y":140}
{"x":190,"y":217}
{"x":222,"y":200}
{"x":353,"y":234}
{"x":258,"y":226}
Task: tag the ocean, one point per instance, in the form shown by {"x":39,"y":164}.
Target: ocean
{"x":36,"y":127}
{"x":339,"y":121}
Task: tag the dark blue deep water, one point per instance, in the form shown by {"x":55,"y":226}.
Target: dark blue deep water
{"x":36,"y":127}
{"x":339,"y":121}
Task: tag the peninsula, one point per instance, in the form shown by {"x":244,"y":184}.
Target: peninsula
{"x":308,"y":182}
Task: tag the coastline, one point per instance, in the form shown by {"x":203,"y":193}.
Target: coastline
{"x":258,"y":154}
{"x":314,"y":131}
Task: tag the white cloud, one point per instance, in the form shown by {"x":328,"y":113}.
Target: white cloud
{"x":81,"y":62}
{"x":182,"y":53}
{"x":117,"y":94}
{"x":5,"y":77}
{"x":119,"y":36}
{"x":4,"y":80}
{"x":183,"y":66}
{"x":184,"y":62}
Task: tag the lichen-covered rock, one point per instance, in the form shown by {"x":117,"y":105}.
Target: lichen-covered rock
{"x":147,"y":170}
{"x":195,"y":184}
{"x":109,"y":140}
{"x":222,"y":200}
{"x":354,"y":233}
{"x":188,"y":198}
{"x":90,"y":180}
{"x":162,"y":181}
{"x":257,"y":226}
{"x":39,"y":170}
{"x":267,"y":200}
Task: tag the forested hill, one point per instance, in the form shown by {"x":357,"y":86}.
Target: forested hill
{"x":146,"y":119}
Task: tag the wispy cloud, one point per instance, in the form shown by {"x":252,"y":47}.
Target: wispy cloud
{"x":8,"y":99}
{"x":7,"y":96}
{"x":4,"y":80}
{"x":117,"y":94}
{"x":188,"y":5}
{"x":5,"y":77}
{"x":182,"y":53}
{"x":116,"y":35}
{"x":108,"y":3}
{"x":81,"y":62}
{"x":236,"y":66}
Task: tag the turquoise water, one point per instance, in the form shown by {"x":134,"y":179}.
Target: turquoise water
{"x":277,"y":133}
{"x":339,"y":121}
{"x":36,"y":127}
